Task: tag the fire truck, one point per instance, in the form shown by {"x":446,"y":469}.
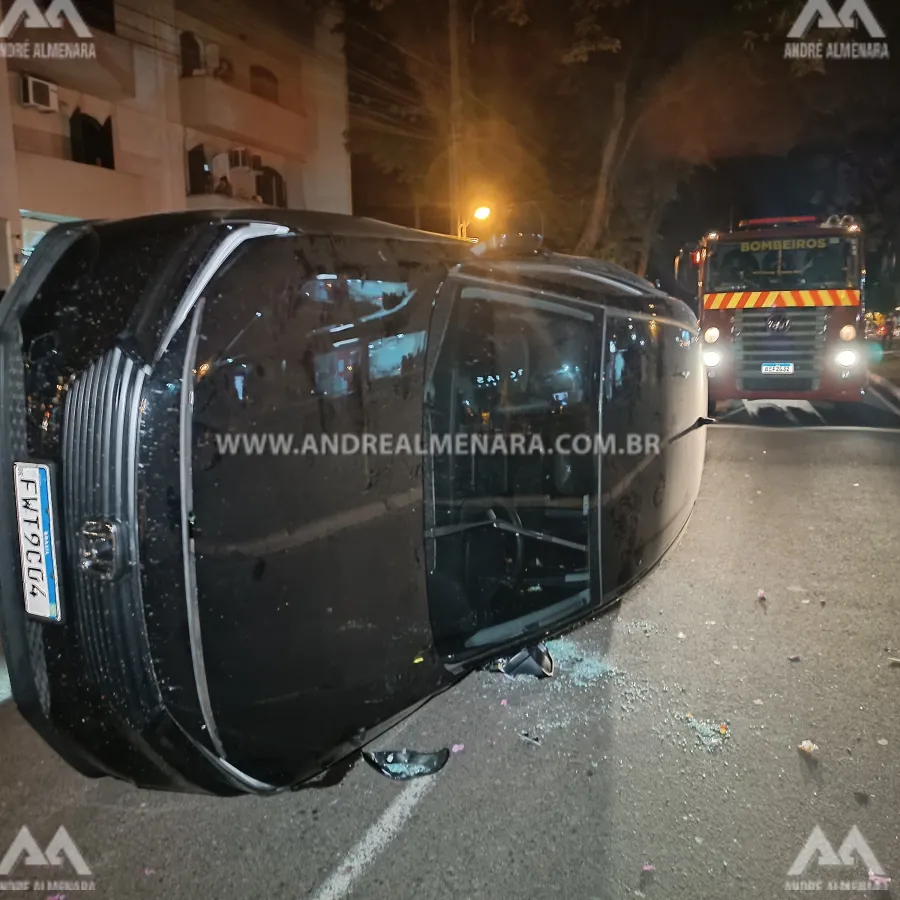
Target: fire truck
{"x":781,"y":309}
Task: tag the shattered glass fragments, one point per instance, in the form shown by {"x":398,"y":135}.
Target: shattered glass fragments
{"x":710,"y":735}
{"x":579,"y":668}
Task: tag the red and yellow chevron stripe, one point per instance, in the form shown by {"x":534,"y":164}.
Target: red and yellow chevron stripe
{"x":763,"y":299}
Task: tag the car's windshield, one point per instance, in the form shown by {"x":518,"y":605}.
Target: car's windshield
{"x":804,"y":263}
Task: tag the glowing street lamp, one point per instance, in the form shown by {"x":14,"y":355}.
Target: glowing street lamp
{"x":481,"y":213}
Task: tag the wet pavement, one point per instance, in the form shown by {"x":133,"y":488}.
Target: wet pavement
{"x":660,"y":760}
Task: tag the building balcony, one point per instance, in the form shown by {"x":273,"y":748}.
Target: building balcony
{"x":61,"y":187}
{"x":210,"y":105}
{"x":110,"y":76}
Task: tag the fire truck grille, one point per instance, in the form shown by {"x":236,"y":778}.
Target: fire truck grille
{"x":761,"y":336}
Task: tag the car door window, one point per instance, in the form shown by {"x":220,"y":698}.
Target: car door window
{"x":510,"y":527}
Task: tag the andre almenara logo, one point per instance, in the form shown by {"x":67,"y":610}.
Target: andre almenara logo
{"x":26,"y":29}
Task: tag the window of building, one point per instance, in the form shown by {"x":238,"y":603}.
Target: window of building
{"x":191,"y":54}
{"x":271,"y":188}
{"x":264,"y":83}
{"x":100,"y":14}
{"x":92,"y":142}
{"x":200,"y":180}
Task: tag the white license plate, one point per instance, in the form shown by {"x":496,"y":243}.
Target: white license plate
{"x":37,"y":540}
{"x":777,"y":368}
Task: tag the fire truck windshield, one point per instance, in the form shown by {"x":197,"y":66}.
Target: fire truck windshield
{"x":797,"y":263}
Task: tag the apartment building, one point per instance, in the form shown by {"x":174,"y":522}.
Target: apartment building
{"x":123,"y":108}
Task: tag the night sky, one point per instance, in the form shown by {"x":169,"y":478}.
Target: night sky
{"x":726,"y":127}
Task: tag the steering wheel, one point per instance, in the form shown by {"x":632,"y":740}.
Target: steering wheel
{"x":473,"y":513}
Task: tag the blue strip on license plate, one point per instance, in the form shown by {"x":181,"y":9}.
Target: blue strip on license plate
{"x":37,"y":540}
{"x":777,"y":368}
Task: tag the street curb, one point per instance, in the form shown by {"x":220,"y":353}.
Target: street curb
{"x":885,"y":385}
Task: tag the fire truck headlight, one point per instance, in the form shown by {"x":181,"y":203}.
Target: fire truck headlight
{"x":711,"y":335}
{"x":848,"y":333}
{"x":846,"y":358}
{"x":712,"y":359}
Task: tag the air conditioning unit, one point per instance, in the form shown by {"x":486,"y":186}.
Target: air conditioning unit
{"x":212,"y":57}
{"x":40,"y":95}
{"x":241,"y":178}
{"x":240,"y":158}
{"x":221,"y":166}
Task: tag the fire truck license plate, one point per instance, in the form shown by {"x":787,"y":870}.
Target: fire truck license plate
{"x":777,"y":368}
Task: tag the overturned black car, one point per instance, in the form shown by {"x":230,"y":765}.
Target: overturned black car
{"x":271,"y":483}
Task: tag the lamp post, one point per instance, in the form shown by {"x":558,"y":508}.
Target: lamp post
{"x":481,"y":213}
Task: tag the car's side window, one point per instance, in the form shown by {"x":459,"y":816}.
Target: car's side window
{"x":517,"y":373}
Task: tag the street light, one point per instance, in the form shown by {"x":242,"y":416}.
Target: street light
{"x":481,"y":213}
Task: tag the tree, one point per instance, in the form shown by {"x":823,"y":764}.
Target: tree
{"x":598,"y":109}
{"x":400,"y":105}
{"x":863,"y":181}
{"x":619,"y":53}
{"x":643,"y":195}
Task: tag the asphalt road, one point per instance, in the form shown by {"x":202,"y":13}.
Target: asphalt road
{"x":616,"y":777}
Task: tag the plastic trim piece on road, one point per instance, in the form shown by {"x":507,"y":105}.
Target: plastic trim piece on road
{"x":865,"y":428}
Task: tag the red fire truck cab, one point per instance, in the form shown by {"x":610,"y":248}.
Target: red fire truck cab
{"x":781,"y":309}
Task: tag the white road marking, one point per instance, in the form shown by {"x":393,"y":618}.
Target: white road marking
{"x":884,"y":385}
{"x":375,"y":840}
{"x":5,"y":689}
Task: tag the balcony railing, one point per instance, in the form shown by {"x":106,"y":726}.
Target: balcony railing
{"x":210,"y":105}
{"x":64,"y":188}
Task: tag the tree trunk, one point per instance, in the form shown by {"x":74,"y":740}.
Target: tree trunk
{"x":649,"y":233}
{"x":644,"y":256}
{"x":598,"y":216}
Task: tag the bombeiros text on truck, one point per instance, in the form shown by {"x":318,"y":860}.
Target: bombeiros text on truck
{"x":781,"y":307}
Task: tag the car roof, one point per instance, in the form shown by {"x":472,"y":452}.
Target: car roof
{"x":568,"y":272}
{"x":301,"y":221}
{"x":569,"y":269}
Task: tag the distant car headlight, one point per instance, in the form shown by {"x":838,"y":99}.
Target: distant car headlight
{"x":711,"y":335}
{"x":846,"y":358}
{"x":848,"y":333}
{"x":712,"y":359}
